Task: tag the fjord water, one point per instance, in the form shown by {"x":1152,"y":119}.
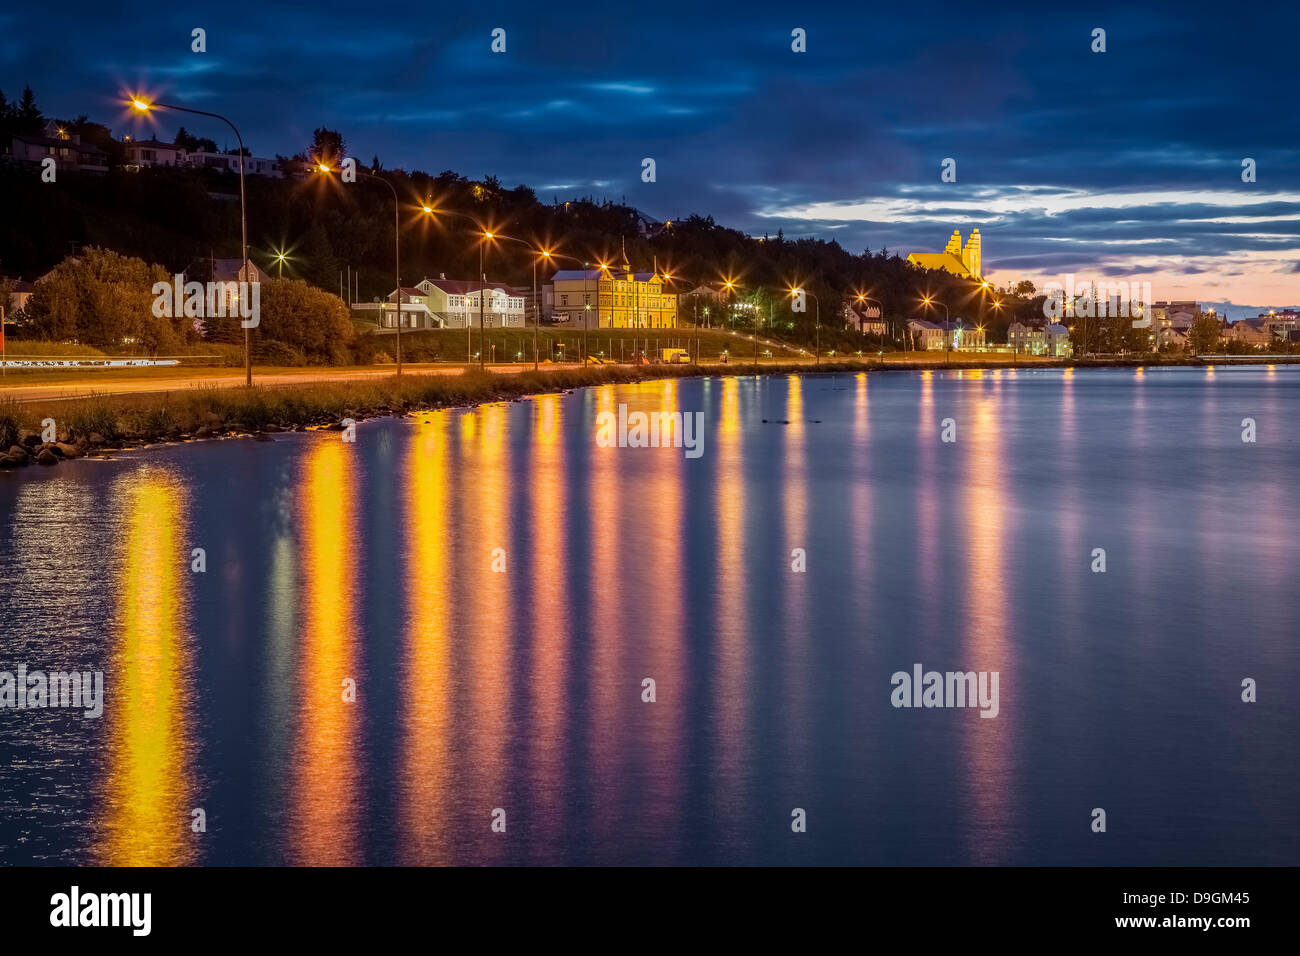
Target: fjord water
{"x":521,"y":689}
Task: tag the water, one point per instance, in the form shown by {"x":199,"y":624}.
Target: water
{"x":522,"y":690}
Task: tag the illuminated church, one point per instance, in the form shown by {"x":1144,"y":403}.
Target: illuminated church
{"x":960,"y":260}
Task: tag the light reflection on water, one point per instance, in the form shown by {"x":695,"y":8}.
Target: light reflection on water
{"x":521,"y":688}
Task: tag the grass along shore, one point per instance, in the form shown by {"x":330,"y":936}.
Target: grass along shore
{"x":101,"y":423}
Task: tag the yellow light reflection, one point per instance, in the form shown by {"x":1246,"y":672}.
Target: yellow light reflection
{"x":489,"y":492}
{"x":733,"y":738}
{"x":608,"y":701}
{"x":550,"y":651}
{"x":426,"y":688}
{"x":149,"y":790}
{"x":326,"y":797}
{"x":987,"y":621}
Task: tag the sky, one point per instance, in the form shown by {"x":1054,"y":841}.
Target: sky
{"x":1123,"y":165}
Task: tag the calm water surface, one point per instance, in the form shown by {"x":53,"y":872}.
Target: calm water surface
{"x":521,"y":690}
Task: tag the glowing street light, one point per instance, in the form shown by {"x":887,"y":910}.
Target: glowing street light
{"x":397,"y":253}
{"x":817,"y":328}
{"x":144,"y":106}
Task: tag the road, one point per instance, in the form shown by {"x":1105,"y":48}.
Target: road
{"x":21,"y":387}
{"x":56,"y":386}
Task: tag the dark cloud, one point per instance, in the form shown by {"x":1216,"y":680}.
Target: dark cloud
{"x":738,"y":124}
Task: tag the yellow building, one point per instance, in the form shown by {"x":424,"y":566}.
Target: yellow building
{"x":960,"y":260}
{"x":611,"y":298}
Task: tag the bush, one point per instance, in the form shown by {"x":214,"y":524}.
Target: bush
{"x":87,"y":416}
{"x":278,"y":353}
{"x":11,"y":423}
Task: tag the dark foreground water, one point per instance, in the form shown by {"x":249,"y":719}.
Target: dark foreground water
{"x":522,"y":688}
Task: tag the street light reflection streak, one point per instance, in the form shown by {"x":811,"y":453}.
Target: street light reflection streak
{"x":987,"y":610}
{"x":609,"y":702}
{"x":663,"y":626}
{"x":490,"y":592}
{"x":734,"y":747}
{"x":325,"y":815}
{"x":797,"y":631}
{"x":426,"y":688}
{"x":149,"y":787}
{"x":551,"y":626}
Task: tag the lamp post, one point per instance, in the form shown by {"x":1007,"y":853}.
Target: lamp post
{"x":397,"y":253}
{"x":145,"y":107}
{"x":279,"y":261}
{"x":817,"y":329}
{"x":931,"y":302}
{"x":548,"y":255}
{"x":880,"y":305}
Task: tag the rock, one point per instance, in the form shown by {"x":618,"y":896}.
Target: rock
{"x":53,"y":447}
{"x":272,"y":428}
{"x":19,"y":452}
{"x":9,"y":461}
{"x":205,"y":431}
{"x":47,"y":457}
{"x":69,"y":451}
{"x":262,"y":436}
{"x":95,"y":438}
{"x":31,"y":439}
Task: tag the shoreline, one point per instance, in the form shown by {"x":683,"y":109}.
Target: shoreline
{"x":101,"y":424}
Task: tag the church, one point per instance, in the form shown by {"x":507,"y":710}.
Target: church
{"x":960,"y":260}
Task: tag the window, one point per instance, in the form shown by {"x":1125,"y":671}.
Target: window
{"x":564,"y":300}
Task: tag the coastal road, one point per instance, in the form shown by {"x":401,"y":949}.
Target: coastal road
{"x":37,"y":386}
{"x":63,"y":385}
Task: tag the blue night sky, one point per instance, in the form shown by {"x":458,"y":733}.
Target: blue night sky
{"x":1125,"y":164}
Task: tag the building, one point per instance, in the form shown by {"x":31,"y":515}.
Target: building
{"x":960,"y":260}
{"x":1281,"y":322}
{"x":1249,"y":332}
{"x":67,"y":150}
{"x":22,"y":291}
{"x":1179,"y":314}
{"x":865,"y":319}
{"x":922,"y":334}
{"x":1052,"y":339}
{"x":968,"y":338}
{"x":1171,"y":339}
{"x":444,"y":303}
{"x":229,"y":162}
{"x":152,"y":152}
{"x":611,"y":298}
{"x":456,"y":303}
{"x":1057,"y":340}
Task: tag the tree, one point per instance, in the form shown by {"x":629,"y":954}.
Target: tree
{"x":105,"y":299}
{"x":1204,"y":334}
{"x":195,"y":144}
{"x":328,"y":147}
{"x":311,"y":321}
{"x":27,"y":119}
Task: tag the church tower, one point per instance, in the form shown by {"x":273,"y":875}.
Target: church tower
{"x":970,"y":256}
{"x":954,"y":244}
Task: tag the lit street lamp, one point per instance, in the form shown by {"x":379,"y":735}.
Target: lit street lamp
{"x":145,"y":107}
{"x":817,"y":329}
{"x":397,"y":253}
{"x":931,"y":302}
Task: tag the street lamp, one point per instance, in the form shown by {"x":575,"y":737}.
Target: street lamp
{"x":929,"y":302}
{"x":397,"y":253}
{"x":548,"y":255}
{"x":817,"y":329}
{"x":280,"y":256}
{"x":144,"y":107}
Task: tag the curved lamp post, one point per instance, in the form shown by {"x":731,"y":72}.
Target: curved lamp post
{"x":929,"y":302}
{"x":145,"y":107}
{"x":397,"y":251}
{"x":817,"y":329}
